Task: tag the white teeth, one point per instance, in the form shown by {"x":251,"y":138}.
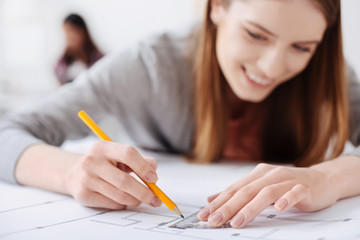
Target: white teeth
{"x":257,"y":79}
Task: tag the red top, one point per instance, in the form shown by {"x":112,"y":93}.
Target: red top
{"x":243,"y":140}
{"x":244,"y":130}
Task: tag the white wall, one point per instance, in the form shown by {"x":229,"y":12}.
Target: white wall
{"x":351,"y":32}
{"x":31,"y":37}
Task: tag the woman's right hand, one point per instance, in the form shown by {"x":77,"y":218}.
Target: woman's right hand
{"x":101,"y":178}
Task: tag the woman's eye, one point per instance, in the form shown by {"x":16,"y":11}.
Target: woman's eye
{"x":255,"y":36}
{"x":302,"y":49}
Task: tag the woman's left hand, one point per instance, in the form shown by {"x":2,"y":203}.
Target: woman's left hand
{"x":307,"y":189}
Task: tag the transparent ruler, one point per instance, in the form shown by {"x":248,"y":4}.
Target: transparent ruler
{"x":193,"y":222}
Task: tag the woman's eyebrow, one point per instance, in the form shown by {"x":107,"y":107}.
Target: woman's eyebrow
{"x":274,"y":35}
{"x":260,"y":27}
{"x":310,"y":42}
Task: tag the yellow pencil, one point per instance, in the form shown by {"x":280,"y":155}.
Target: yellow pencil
{"x":155,"y":189}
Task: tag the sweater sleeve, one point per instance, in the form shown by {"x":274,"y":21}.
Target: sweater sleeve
{"x":107,"y":88}
{"x":354,"y":113}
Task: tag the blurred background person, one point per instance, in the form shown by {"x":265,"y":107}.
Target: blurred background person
{"x":80,"y":51}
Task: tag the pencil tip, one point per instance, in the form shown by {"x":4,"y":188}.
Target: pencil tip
{"x":177,"y":211}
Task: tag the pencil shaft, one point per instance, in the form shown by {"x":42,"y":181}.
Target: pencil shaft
{"x":161,"y":195}
{"x":93,"y":126}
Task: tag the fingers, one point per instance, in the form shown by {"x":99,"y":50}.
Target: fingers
{"x":252,"y":199}
{"x":291,"y":198}
{"x":84,"y":193}
{"x":212,"y":197}
{"x":132,"y":191}
{"x":127,"y":155}
{"x":227,"y":210}
{"x":125,"y":168}
{"x":108,"y":191}
{"x":204,"y":213}
{"x":152,"y":162}
{"x":247,"y":204}
{"x":268,"y":195}
{"x":101,"y":179}
{"x":251,"y":195}
{"x":262,"y":200}
{"x":226,"y":205}
{"x":248,"y":191}
{"x":97,"y":200}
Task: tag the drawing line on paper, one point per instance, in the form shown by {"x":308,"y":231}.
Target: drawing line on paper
{"x":33,"y":205}
{"x":50,"y":225}
{"x":273,"y":216}
{"x":172,"y":225}
{"x":164,"y":225}
{"x":150,"y":219}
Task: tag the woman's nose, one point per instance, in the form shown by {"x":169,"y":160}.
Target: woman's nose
{"x":273,"y":63}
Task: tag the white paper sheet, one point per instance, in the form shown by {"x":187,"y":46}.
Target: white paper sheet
{"x":27,"y":213}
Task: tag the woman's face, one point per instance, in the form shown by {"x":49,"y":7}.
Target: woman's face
{"x":75,"y":36}
{"x":263,"y":43}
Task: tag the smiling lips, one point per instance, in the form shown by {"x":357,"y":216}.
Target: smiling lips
{"x":257,"y":80}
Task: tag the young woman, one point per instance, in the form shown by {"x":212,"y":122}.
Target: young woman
{"x":80,"y":51}
{"x":268,"y":83}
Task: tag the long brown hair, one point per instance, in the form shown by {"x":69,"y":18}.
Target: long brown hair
{"x":304,"y":116}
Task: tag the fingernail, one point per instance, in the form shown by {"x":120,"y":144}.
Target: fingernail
{"x":156,"y":202}
{"x":203,"y":214}
{"x":281,"y":204}
{"x":151,"y":177}
{"x":237,"y":220}
{"x":215,"y":219}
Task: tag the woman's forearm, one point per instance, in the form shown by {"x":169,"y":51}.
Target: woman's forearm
{"x":345,"y":174}
{"x":45,"y":167}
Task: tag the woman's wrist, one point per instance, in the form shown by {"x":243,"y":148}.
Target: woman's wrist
{"x":46,"y":167}
{"x":69,"y":174}
{"x":342,"y":174}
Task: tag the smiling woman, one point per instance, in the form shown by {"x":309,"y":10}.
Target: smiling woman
{"x":266,"y":45}
{"x":268,"y":83}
